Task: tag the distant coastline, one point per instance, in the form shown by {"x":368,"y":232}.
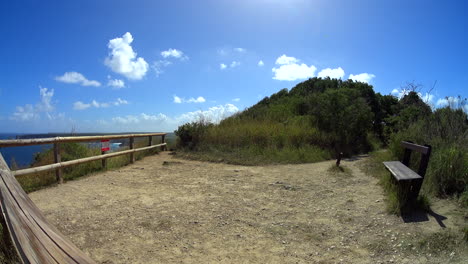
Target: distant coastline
{"x":24,"y":156}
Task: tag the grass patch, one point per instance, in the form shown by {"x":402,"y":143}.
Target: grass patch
{"x":255,"y":155}
{"x":341,"y":171}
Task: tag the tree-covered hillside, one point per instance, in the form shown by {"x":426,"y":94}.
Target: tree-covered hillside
{"x":319,"y":118}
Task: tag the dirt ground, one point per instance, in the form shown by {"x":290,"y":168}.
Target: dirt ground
{"x":197,"y":212}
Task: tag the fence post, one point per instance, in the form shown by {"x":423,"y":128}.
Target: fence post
{"x":132,"y":146}
{"x":57,"y":159}
{"x":162,"y":142}
{"x":104,"y":161}
{"x":150,"y":141}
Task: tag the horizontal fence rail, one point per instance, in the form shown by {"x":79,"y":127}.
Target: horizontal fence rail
{"x":58,"y":164}
{"x":43,"y":141}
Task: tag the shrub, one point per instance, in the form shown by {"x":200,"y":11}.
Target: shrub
{"x":190,"y":134}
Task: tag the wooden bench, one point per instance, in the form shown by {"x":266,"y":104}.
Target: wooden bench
{"x":33,"y":237}
{"x":409,"y":182}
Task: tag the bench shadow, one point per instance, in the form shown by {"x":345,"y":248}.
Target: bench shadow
{"x":417,"y":216}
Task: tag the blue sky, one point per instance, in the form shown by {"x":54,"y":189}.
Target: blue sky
{"x":114,"y":66}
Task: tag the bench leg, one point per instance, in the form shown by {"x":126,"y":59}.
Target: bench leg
{"x":415,"y":188}
{"x":408,"y":192}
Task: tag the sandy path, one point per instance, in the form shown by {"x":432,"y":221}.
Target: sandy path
{"x":198,"y":212}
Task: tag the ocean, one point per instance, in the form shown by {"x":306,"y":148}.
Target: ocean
{"x":23,"y":156}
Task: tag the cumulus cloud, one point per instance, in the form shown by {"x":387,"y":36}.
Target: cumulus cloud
{"x":240,"y":50}
{"x":116,"y":83}
{"x":427,"y":98}
{"x":178,"y":54}
{"x":161,"y":122}
{"x":222,"y":66}
{"x":291,"y":70}
{"x":363,"y":77}
{"x":179,"y":100}
{"x":260,"y":63}
{"x":123,"y":60}
{"x":235,"y":64}
{"x":337,"y":73}
{"x":284,"y":60}
{"x":78,"y":78}
{"x":33,"y":112}
{"x":447,"y":101}
{"x":400,"y":93}
{"x":79,"y":105}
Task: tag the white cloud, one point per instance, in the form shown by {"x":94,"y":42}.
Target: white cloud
{"x":291,"y":70}
{"x":123,"y":60}
{"x":337,"y":73}
{"x":179,"y":100}
{"x":222,"y":66}
{"x":236,"y":99}
{"x":30,"y":112}
{"x":79,"y":105}
{"x":284,"y":60}
{"x":447,"y":101}
{"x":235,"y":64}
{"x":363,"y":77}
{"x":399,"y":94}
{"x":240,"y":50}
{"x":161,"y":122}
{"x":178,"y":54}
{"x":260,"y":63}
{"x":427,"y":98}
{"x":199,"y":99}
{"x":25,"y":113}
{"x":159,"y":65}
{"x":120,"y":102}
{"x":76,"y":77}
{"x":116,"y":83}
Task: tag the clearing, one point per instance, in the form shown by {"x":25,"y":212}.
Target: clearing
{"x":167,"y":210}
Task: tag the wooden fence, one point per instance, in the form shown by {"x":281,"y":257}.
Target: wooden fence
{"x":33,"y":237}
{"x":56,"y":141}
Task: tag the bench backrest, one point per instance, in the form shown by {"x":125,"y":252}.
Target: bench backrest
{"x":425,"y":154}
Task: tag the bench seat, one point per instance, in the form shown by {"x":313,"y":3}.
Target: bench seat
{"x":400,"y":171}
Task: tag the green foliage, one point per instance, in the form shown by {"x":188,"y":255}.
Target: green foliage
{"x":446,"y":130}
{"x":327,"y":114}
{"x":190,"y":134}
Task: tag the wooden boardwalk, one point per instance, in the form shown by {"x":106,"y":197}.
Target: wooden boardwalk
{"x":35,"y":239}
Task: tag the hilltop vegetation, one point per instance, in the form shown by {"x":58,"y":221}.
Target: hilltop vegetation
{"x":319,"y":118}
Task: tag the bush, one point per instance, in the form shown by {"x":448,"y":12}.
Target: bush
{"x":190,"y":135}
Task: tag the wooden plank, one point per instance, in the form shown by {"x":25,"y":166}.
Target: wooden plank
{"x":34,"y":238}
{"x":42,"y":141}
{"x":400,"y":171}
{"x":80,"y":161}
{"x":422,"y":149}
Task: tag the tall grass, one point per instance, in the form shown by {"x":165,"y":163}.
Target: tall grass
{"x":253,"y":142}
{"x":447,"y":132}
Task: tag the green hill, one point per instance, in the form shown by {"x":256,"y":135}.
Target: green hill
{"x":319,"y":118}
